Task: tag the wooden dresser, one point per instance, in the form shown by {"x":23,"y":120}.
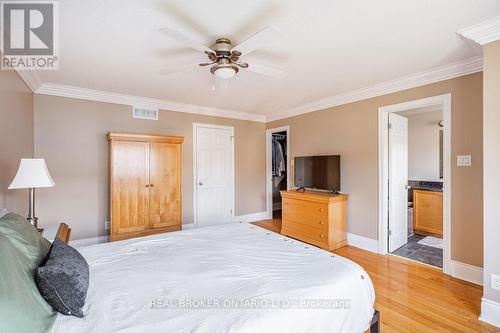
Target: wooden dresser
{"x":315,"y":217}
{"x":428,"y":212}
{"x":145,"y":184}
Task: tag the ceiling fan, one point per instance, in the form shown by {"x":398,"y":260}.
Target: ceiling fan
{"x":225,"y":58}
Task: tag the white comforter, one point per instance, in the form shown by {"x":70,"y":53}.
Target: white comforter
{"x":228,"y":278}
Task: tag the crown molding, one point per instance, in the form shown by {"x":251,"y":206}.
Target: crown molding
{"x":116,"y":98}
{"x":31,"y":79}
{"x":468,"y":66}
{"x":484,"y":32}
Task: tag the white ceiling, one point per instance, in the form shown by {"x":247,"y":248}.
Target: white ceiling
{"x":328,"y":47}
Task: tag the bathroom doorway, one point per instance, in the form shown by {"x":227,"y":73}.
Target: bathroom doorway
{"x":415,"y":159}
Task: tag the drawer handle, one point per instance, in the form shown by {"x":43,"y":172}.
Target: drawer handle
{"x":321,"y":209}
{"x":321,"y":222}
{"x":321,"y":236}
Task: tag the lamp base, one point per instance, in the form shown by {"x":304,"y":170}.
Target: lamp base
{"x":32,"y":220}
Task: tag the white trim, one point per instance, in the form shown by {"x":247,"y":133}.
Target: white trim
{"x":195,"y":181}
{"x":31,"y":79}
{"x":383,"y":116}
{"x":188,"y":226}
{"x":484,"y":32}
{"x":490,"y":312}
{"x":89,"y":241}
{"x":116,"y":98}
{"x":361,"y":242}
{"x":463,"y":271}
{"x":269,"y":160}
{"x":247,"y":218}
{"x":450,"y":71}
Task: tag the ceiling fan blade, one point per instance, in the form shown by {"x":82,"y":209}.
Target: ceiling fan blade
{"x":258,"y":39}
{"x":182,"y":38}
{"x":177,"y":69}
{"x":267,"y":71}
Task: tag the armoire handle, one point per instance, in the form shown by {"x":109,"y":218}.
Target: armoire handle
{"x":151,"y":185}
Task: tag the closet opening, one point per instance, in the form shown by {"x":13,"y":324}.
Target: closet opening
{"x":278,"y":166}
{"x":279,"y":170}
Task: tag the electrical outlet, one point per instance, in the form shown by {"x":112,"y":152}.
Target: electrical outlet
{"x":464,"y":160}
{"x":495,"y":281}
{"x":107,"y":225}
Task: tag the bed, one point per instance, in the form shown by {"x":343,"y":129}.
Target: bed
{"x":227,"y":278}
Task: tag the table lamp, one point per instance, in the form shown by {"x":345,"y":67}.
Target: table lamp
{"x":32,"y":173}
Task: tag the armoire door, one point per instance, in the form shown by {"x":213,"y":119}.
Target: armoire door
{"x":165,"y":187}
{"x":130,"y":187}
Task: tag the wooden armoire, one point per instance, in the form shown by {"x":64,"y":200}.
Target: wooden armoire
{"x":145,"y":184}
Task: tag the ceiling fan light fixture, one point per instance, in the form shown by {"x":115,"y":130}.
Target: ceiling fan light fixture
{"x":225,"y":72}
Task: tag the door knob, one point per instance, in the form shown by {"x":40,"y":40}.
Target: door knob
{"x":151,"y":185}
{"x":147,"y":185}
{"x":200,"y":183}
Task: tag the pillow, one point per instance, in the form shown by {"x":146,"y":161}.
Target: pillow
{"x":25,"y":237}
{"x":64,"y":280}
{"x":22,"y":308}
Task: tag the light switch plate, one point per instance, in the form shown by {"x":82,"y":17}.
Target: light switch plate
{"x":464,"y":160}
{"x":495,"y":281}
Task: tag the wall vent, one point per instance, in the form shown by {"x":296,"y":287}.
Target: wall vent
{"x":144,"y":113}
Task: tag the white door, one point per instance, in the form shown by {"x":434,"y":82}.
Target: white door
{"x":398,"y":181}
{"x":213,"y":175}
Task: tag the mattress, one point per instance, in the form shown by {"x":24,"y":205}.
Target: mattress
{"x":227,"y":278}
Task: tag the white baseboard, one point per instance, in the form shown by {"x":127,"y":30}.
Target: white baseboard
{"x":467,"y":272}
{"x":364,"y":243}
{"x":89,"y":241}
{"x":490,"y":312}
{"x":187,"y":226}
{"x":254,"y":217}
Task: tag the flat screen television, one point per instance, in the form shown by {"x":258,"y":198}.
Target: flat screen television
{"x":318,"y":172}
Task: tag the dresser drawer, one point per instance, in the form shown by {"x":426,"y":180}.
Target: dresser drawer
{"x":305,"y":212}
{"x":305,"y":233}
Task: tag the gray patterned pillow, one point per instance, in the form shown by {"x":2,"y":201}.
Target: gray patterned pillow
{"x":64,"y":279}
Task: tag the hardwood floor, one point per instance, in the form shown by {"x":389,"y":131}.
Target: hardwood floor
{"x":412,"y":297}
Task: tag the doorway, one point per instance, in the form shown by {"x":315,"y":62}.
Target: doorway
{"x":277,"y":168}
{"x":414,"y":179}
{"x":213,"y":174}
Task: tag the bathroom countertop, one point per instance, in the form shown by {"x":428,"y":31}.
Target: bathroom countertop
{"x":427,"y":188}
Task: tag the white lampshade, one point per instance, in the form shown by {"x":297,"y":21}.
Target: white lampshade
{"x":32,"y":173}
{"x":225,"y":72}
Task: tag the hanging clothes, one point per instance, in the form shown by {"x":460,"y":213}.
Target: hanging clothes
{"x":279,"y":164}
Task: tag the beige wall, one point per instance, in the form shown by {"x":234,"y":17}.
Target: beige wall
{"x":71,"y":135}
{"x":351,"y":131}
{"x":491,"y":168}
{"x":423,"y":145}
{"x":16,"y":136}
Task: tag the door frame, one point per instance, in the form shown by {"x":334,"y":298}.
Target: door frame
{"x":383,"y":183}
{"x":269,"y":160}
{"x":195,"y":181}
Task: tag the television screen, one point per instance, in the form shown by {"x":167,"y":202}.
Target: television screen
{"x":318,"y":172}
